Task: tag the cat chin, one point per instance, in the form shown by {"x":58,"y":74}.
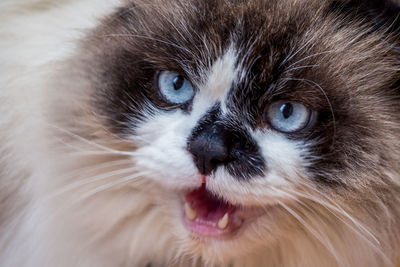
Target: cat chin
{"x":238,"y":246}
{"x":216,"y":252}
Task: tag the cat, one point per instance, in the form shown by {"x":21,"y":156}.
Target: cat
{"x":200,"y":133}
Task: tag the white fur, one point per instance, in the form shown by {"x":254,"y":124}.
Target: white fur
{"x":221,"y":78}
{"x":75,"y":211}
{"x":164,"y":153}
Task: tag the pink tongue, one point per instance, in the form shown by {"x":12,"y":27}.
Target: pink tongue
{"x":207,"y":205}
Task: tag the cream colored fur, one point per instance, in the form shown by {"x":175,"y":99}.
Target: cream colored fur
{"x":43,"y":223}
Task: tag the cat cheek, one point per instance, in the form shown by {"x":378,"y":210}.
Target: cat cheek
{"x":283,"y":156}
{"x":162,"y":150}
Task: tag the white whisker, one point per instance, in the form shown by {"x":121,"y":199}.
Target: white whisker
{"x":324,"y":241}
{"x":299,"y":67}
{"x":90,"y":180}
{"x":308,"y":57}
{"x":105,"y":148}
{"x":326,"y":97}
{"x":292,"y":55}
{"x":107,"y":186}
{"x":153,"y":39}
{"x":97,"y":167}
{"x":333,"y":207}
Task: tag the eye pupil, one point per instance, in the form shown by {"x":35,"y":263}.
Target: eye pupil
{"x":178,"y":82}
{"x":288,"y":116}
{"x":287,"y":110}
{"x":174,"y":88}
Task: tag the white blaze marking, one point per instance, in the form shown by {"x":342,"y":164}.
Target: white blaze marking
{"x":220,"y":78}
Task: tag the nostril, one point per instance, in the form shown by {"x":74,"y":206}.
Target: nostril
{"x":208,"y":152}
{"x":215,"y":162}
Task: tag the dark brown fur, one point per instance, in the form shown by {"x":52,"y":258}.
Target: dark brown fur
{"x":340,"y":58}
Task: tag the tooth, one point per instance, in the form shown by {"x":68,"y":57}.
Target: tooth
{"x":223,"y":222}
{"x":191,"y":214}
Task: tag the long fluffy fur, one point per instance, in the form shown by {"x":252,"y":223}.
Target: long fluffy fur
{"x":70,"y":196}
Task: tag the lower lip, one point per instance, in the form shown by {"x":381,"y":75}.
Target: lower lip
{"x":209,"y":229}
{"x":203,"y":229}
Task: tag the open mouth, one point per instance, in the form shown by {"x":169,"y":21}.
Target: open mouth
{"x":206,"y":215}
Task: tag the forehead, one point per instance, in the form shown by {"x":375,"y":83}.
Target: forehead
{"x":243,"y":54}
{"x":220,"y":46}
{"x":190,"y":35}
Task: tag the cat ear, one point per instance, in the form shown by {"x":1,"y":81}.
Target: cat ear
{"x":384,"y":15}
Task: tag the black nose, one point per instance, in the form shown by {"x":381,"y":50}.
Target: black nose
{"x":210,"y":148}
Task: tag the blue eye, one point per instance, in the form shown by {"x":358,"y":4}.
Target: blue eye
{"x":287,"y":116}
{"x":174,"y":88}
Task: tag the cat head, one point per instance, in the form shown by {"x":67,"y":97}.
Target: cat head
{"x":258,"y":122}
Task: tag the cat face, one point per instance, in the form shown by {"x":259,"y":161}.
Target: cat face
{"x":258,"y":121}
